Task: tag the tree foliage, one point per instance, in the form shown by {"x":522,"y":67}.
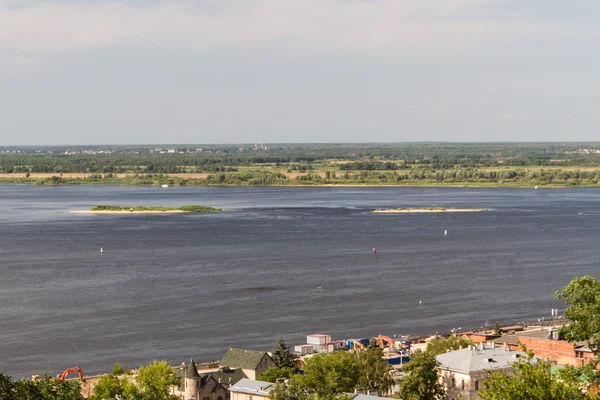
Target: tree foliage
{"x":274,"y":373}
{"x":334,"y":373}
{"x":530,"y":380}
{"x":282,"y":355}
{"x":155,"y":379}
{"x":45,"y":388}
{"x":582,"y":297}
{"x":441,"y":345}
{"x":421,"y":382}
{"x":374,"y":372}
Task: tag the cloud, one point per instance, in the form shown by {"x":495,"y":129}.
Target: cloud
{"x":322,"y":25}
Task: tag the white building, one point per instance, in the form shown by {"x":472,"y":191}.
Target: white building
{"x":463,"y":372}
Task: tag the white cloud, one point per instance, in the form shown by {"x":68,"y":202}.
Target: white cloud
{"x":328,"y":25}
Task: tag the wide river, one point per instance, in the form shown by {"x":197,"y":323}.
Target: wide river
{"x":279,"y":261}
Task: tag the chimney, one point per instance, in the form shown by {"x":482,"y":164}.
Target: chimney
{"x":359,"y":391}
{"x":280,"y":380}
{"x":372,"y":393}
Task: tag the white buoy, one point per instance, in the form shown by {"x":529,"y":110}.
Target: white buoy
{"x":536,"y":187}
{"x":101,"y":250}
{"x":420,"y":302}
{"x":445,"y":232}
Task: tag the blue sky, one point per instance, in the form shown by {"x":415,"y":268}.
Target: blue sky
{"x":225,"y":71}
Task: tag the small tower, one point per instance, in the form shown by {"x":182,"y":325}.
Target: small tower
{"x":190,"y":383}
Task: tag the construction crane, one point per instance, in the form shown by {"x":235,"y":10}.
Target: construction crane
{"x":381,"y":339}
{"x":66,"y":372}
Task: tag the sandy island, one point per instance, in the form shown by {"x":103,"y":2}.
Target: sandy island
{"x":128,"y":212}
{"x":427,"y":210}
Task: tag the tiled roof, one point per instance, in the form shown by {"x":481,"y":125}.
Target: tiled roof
{"x":252,"y":387}
{"x":191,"y":371}
{"x":476,"y":359}
{"x":228,"y":377}
{"x":238,"y":358}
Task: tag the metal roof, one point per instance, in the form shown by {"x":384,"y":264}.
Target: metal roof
{"x":252,"y":387}
{"x":480,"y":358}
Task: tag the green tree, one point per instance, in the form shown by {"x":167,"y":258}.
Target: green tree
{"x":374,"y":372}
{"x":117,"y":369}
{"x":329,"y":374}
{"x":442,"y":345}
{"x":6,"y":387}
{"x":497,"y":329}
{"x":155,"y":379}
{"x":108,"y":387}
{"x":582,"y":297}
{"x":421,"y":382}
{"x":530,"y":380}
{"x":46,"y":388}
{"x":274,"y":373}
{"x":282,"y":355}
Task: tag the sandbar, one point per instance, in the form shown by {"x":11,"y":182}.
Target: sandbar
{"x":128,"y":212}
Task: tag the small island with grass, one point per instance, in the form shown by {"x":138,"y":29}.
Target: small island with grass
{"x":428,"y":210}
{"x":104,"y":209}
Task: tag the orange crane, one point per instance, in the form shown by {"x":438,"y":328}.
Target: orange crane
{"x":381,"y":339}
{"x":66,"y":372}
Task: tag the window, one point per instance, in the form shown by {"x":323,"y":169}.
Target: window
{"x":462,"y":385}
{"x":453,"y":384}
{"x":219,"y":398}
{"x":476,"y":385}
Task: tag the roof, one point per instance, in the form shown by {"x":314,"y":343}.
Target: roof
{"x":228,"y":377}
{"x":246,"y":359}
{"x":512,"y":340}
{"x":191,"y":371}
{"x":252,"y":387}
{"x":367,"y":397}
{"x":479,"y":358}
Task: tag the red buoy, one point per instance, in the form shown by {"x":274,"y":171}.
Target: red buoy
{"x":374,"y":250}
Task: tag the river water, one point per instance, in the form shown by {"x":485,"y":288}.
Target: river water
{"x":279,"y":261}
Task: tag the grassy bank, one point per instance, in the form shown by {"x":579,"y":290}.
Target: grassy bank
{"x":279,"y":176}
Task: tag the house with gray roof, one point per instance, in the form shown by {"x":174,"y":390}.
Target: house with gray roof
{"x":252,"y":362}
{"x":464,"y":371}
{"x":249,"y":389}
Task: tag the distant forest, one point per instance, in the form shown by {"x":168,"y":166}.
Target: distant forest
{"x":359,"y":157}
{"x":476,"y":164}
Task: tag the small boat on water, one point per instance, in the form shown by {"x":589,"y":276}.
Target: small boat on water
{"x":164,"y":185}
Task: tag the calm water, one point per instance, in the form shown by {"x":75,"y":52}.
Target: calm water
{"x":289,"y":261}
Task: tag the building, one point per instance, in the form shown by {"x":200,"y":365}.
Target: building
{"x":546,"y":343}
{"x":249,"y":389}
{"x":251,"y":362}
{"x":463,"y":372}
{"x":316,"y":343}
{"x":208,"y":386}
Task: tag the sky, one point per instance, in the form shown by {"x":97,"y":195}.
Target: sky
{"x":296,"y":71}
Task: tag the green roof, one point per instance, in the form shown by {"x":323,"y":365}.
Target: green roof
{"x":191,"y":371}
{"x":228,"y":376}
{"x":246,"y":359}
